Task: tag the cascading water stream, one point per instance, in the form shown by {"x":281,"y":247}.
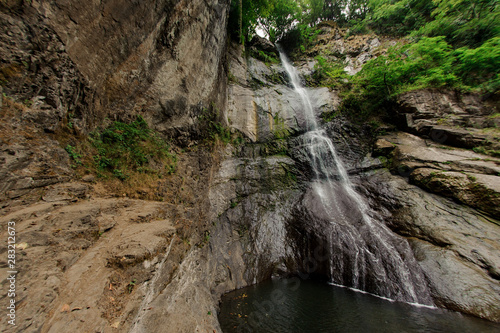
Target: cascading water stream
{"x":364,"y":253}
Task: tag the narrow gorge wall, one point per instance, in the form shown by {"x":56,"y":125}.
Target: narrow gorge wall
{"x":67,"y":67}
{"x":160,"y":58}
{"x":74,"y":65}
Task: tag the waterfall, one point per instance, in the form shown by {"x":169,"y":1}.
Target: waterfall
{"x":363,"y":253}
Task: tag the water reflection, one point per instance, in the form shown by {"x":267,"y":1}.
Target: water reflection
{"x":296,"y":306}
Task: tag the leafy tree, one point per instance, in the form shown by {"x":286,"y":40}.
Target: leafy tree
{"x":244,"y":17}
{"x":312,"y":11}
{"x":429,"y":63}
{"x":332,"y":10}
{"x":464,"y":22}
{"x":398,"y":17}
{"x":279,"y":18}
{"x":343,"y":11}
{"x":480,"y":66}
{"x":275,"y":17}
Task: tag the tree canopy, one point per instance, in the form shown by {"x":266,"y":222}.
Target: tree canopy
{"x":462,"y":22}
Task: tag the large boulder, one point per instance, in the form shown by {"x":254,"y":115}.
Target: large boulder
{"x":260,"y":43}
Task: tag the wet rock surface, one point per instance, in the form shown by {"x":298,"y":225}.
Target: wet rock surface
{"x":456,"y":246}
{"x":261,"y":102}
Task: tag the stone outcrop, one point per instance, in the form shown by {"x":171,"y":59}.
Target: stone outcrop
{"x":163,"y":60}
{"x":475,"y":190}
{"x":262,"y":105}
{"x":459,"y":120}
{"x":68,"y":67}
{"x":261,"y":44}
{"x":454,"y":245}
{"x":89,"y":260}
{"x":352,"y":51}
{"x":461,"y":174}
{"x":84,"y":256}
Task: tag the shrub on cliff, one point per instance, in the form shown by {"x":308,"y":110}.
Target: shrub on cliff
{"x":429,"y":63}
{"x":122,"y":150}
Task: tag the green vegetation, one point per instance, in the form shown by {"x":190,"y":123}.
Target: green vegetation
{"x":462,"y":22}
{"x":485,"y":151}
{"x":429,"y":63}
{"x":279,"y":144}
{"x":452,"y":44}
{"x":273,"y":16}
{"x":268,"y":58}
{"x":76,"y":157}
{"x":122,"y":150}
{"x":131,"y":285}
{"x":448,"y":44}
{"x":275,"y":147}
{"x":280,"y":129}
{"x":125,"y":148}
{"x":330,"y":74}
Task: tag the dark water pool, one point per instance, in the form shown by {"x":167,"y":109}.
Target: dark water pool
{"x":295,"y":306}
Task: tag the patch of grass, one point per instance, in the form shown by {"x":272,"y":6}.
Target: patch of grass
{"x":280,"y":129}
{"x":485,"y":151}
{"x":267,"y":57}
{"x":276,"y":77}
{"x":212,"y":129}
{"x":471,"y":178}
{"x":328,"y":73}
{"x":329,"y":116}
{"x":445,"y":147}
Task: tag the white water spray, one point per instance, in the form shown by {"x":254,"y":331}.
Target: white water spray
{"x":360,"y":246}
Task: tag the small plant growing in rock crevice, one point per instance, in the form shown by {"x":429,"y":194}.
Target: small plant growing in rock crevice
{"x":131,"y":285}
{"x":280,"y":129}
{"x":213,"y":131}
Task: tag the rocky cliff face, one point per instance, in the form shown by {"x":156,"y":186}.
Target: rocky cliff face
{"x":66,"y":68}
{"x":115,"y":58}
{"x":261,"y":102}
{"x":69,"y":64}
{"x":458,"y":120}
